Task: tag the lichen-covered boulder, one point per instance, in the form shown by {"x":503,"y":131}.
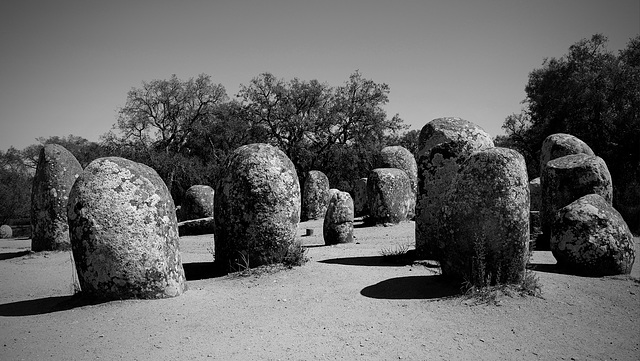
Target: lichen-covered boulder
{"x":6,"y":231}
{"x":444,"y":144}
{"x":535,"y":192}
{"x":401,"y":158}
{"x":56,"y":172}
{"x":338,"y":222}
{"x":487,"y":219}
{"x":589,"y":237}
{"x":360,"y":202}
{"x":197,"y":203}
{"x":561,"y":144}
{"x":315,"y":195}
{"x":257,"y":208}
{"x":389,"y":195}
{"x":566,"y":179}
{"x":124,"y":232}
{"x":332,"y":192}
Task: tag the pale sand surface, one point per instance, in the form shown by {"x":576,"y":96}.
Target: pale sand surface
{"x":346,"y":303}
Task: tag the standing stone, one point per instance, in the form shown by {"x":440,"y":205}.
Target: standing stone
{"x":536,"y":194}
{"x":360,"y":202}
{"x":401,"y":158}
{"x":561,"y":144}
{"x":589,"y":237}
{"x":444,"y":144}
{"x":56,"y":172}
{"x":566,"y":179}
{"x":124,"y":232}
{"x":6,"y":231}
{"x":257,"y":207}
{"x":487,"y":219}
{"x":389,"y":195}
{"x":338,"y":222}
{"x":315,"y":195}
{"x":332,"y":192}
{"x":197,"y":203}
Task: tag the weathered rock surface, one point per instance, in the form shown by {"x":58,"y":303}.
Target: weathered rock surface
{"x":332,"y":192}
{"x":535,"y":191}
{"x":401,"y":158}
{"x":444,"y":144}
{"x":338,"y":222}
{"x":56,"y":172}
{"x":561,"y":144}
{"x":257,"y":208}
{"x":360,"y":202}
{"x":124,"y":232}
{"x":315,"y":195}
{"x":487,"y":219}
{"x":197,"y":203}
{"x":589,"y":237}
{"x":6,"y":231}
{"x":389,"y":195}
{"x":566,"y":179}
{"x":194,"y":227}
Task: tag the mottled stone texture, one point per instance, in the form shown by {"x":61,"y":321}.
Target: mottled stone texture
{"x":257,"y":207}
{"x":332,"y":192}
{"x":56,"y":172}
{"x":535,"y":190}
{"x":486,"y":235}
{"x":197,"y":203}
{"x":444,"y":144}
{"x":401,"y":158}
{"x":124,"y":232}
{"x":389,"y":195}
{"x":560,"y":144}
{"x":589,"y":237}
{"x":360,"y":203}
{"x":315,"y":195}
{"x":338,"y":222}
{"x":566,"y":179}
{"x":6,"y":231}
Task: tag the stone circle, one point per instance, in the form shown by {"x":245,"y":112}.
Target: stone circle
{"x":389,"y":196}
{"x":338,"y":222}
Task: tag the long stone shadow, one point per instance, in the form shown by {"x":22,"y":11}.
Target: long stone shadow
{"x":413,"y":287}
{"x":46,"y":305}
{"x":402,"y":259}
{"x":10,"y":255}
{"x":201,"y":270}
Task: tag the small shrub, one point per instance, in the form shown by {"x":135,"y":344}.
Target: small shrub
{"x":396,"y":251}
{"x":296,"y":256}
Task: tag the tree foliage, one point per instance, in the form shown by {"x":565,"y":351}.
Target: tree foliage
{"x":594,"y":95}
{"x":15,"y":186}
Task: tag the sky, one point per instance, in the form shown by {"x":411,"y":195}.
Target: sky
{"x":66,"y":66}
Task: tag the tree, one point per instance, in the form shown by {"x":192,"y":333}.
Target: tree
{"x":159,"y":119}
{"x":15,"y":186}
{"x":594,"y":95}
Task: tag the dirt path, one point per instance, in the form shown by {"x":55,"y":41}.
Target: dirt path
{"x":347,"y":303}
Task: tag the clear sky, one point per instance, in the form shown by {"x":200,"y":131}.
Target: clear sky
{"x":66,"y":66}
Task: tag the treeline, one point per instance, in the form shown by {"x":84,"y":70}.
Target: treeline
{"x":184,"y":129}
{"x":594,"y":95}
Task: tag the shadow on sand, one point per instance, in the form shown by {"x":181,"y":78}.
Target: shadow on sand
{"x":413,"y":287}
{"x":392,"y":260}
{"x":10,"y":255}
{"x":46,"y":305}
{"x":201,"y":270}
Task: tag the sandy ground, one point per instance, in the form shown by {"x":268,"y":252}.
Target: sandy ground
{"x":346,"y":303}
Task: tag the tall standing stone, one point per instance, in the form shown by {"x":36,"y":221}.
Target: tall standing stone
{"x":56,"y":172}
{"x":315,"y":195}
{"x":444,"y":144}
{"x":389,"y":195}
{"x":124,"y":232}
{"x":566,"y":179}
{"x":197,"y":203}
{"x":360,"y":202}
{"x":338,"y":222}
{"x":560,"y":144}
{"x":486,"y":237}
{"x":401,"y":158}
{"x":257,"y":208}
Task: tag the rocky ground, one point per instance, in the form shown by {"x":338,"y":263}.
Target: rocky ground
{"x":347,"y":303}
